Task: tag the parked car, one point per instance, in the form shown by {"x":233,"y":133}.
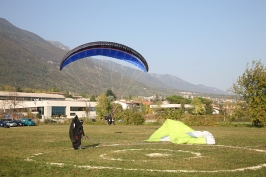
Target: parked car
{"x":28,"y":121}
{"x":11,"y":123}
{"x":19,"y":122}
{"x":3,"y":124}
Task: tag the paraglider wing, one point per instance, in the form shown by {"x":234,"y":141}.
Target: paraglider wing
{"x":108,"y":49}
{"x":74,"y":129}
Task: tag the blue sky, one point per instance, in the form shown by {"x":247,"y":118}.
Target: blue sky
{"x":200,"y":41}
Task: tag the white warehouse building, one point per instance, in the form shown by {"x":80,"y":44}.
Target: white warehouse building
{"x":47,"y":105}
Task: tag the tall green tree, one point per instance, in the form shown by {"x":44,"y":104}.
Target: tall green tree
{"x":198,"y":108}
{"x":92,"y":98}
{"x":251,"y":87}
{"x":103,"y":106}
{"x":177,"y":99}
{"x":207,"y":105}
{"x":110,"y":95}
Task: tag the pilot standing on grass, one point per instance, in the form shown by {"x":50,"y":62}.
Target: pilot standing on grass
{"x":76,"y":132}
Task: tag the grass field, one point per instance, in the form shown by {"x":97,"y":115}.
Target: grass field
{"x":45,"y":150}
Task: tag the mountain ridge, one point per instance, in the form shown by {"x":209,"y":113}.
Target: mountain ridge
{"x":59,"y":45}
{"x":27,"y":60}
{"x":166,"y":81}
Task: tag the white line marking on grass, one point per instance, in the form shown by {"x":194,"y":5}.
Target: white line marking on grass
{"x":157,"y":154}
{"x":57,"y":164}
{"x":38,"y":154}
{"x":88,"y":167}
{"x":197,"y":155}
{"x":172,"y":171}
{"x":28,"y":159}
{"x":238,"y":147}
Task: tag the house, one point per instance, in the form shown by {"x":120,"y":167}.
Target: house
{"x":173,"y":106}
{"x":46,"y":105}
{"x":128,"y":104}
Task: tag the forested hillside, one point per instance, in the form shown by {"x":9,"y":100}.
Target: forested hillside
{"x":28,"y":61}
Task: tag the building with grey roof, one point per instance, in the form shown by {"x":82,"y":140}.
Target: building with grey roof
{"x":17,"y":104}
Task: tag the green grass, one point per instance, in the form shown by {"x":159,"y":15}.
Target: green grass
{"x":46,"y":150}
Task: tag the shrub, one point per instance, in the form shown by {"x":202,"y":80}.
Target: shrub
{"x":130,"y":117}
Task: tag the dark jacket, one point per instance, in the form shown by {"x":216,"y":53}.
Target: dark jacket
{"x":76,"y":130}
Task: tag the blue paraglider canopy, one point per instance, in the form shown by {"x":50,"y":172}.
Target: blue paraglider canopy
{"x":108,"y":49}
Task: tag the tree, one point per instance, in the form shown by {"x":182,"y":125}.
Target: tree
{"x":198,"y":108}
{"x":129,"y":116}
{"x":87,"y":109}
{"x":115,"y":109}
{"x":68,"y":95}
{"x":229,"y":110}
{"x":177,"y":99}
{"x":18,"y":89}
{"x":55,"y":90}
{"x":103,"y":107}
{"x":110,"y":95}
{"x":169,"y":113}
{"x":207,"y":105}
{"x":12,"y":102}
{"x":92,"y":98}
{"x":251,"y":87}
